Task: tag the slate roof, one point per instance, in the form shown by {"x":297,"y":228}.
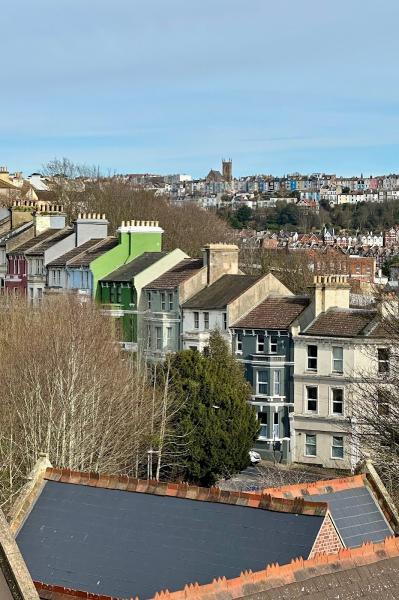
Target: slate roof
{"x":84,"y":260}
{"x":63,"y":260}
{"x":222,"y":292}
{"x":46,"y":244}
{"x":35,"y":241}
{"x":135,"y":266}
{"x":11,"y":233}
{"x":180,"y":273}
{"x":274,"y":313}
{"x":341,"y":322}
{"x":353,"y":506}
{"x":125,"y":538}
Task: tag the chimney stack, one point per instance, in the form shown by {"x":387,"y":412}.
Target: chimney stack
{"x":90,"y":226}
{"x":330,"y":291}
{"x":220,"y":259}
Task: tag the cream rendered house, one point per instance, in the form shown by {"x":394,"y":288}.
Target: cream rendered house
{"x":339,"y":347}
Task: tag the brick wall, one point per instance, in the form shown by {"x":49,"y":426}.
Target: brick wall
{"x":328,"y":540}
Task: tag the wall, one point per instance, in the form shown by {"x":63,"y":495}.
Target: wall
{"x":132,"y":243}
{"x":325,"y":424}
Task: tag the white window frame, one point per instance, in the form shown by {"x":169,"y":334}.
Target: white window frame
{"x":258,"y":383}
{"x":307,"y":410}
{"x":225,"y":320}
{"x":170,"y":300}
{"x":149,"y":300}
{"x":332,"y":412}
{"x":163,"y":301}
{"x":309,"y":358}
{"x":158,"y":338}
{"x":260,"y":346}
{"x":206,"y":320}
{"x":273,"y":344}
{"x":334,"y":360}
{"x":313,"y":435}
{"x":239,"y":336}
{"x":383,"y":361}
{"x":334,"y":437}
{"x":196,"y":319}
{"x":277,"y":382}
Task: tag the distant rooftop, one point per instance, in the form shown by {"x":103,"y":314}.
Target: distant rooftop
{"x":46,"y":244}
{"x":342,"y":322}
{"x":35,"y":241}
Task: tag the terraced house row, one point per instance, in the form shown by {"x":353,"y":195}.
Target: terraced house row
{"x":300,"y":354}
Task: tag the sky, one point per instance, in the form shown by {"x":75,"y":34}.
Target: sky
{"x":173,"y":86}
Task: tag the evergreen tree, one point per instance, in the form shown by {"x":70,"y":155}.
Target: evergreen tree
{"x":216,"y":421}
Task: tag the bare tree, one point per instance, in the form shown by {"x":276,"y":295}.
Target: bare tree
{"x":68,"y":390}
{"x":374,"y":398}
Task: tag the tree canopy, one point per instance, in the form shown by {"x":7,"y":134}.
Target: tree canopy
{"x":215,"y":418}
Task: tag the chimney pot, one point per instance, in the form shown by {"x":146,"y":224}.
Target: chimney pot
{"x":123,"y":223}
{"x":104,"y":216}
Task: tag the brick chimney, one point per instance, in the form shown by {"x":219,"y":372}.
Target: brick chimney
{"x":49,"y":216}
{"x":220,"y":259}
{"x":330,"y":291}
{"x":90,"y":226}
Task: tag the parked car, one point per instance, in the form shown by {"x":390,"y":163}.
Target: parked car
{"x":254,"y":457}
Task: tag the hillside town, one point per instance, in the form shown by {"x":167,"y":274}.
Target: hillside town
{"x":284,"y":345}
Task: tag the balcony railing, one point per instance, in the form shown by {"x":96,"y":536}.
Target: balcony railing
{"x":269,"y":358}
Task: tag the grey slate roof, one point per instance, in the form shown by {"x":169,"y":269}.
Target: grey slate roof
{"x":356,"y":515}
{"x":63,"y":260}
{"x":35,"y":241}
{"x":222,"y":292}
{"x":9,"y":235}
{"x":85,"y":259}
{"x":41,"y":248}
{"x":134,"y":267}
{"x":124,"y":544}
{"x":181,"y":272}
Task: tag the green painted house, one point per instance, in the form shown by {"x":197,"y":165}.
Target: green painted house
{"x":120,"y":293}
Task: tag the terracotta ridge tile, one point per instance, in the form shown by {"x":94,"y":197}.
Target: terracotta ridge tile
{"x":260,"y":500}
{"x":275,"y":575}
{"x":318,"y":487}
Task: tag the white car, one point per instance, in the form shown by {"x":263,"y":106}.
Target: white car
{"x":254,"y":457}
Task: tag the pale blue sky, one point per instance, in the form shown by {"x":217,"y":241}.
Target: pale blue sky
{"x":174,"y":85}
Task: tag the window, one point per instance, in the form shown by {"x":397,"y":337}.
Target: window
{"x":262,"y":420}
{"x":31,"y":293}
{"x":312,"y":358}
{"x":337,"y":401}
{"x":196,"y":320}
{"x":338,"y":359}
{"x":239,"y":343}
{"x":224,"y":320}
{"x":311,"y":398}
{"x":40,"y":293}
{"x":193,"y":348}
{"x":169,"y":332}
{"x":158,"y":338}
{"x":310,"y":445}
{"x":163,"y":301}
{"x":337,"y":447}
{"x":206,"y":320}
{"x":119,"y":294}
{"x":273,"y":345}
{"x":149,"y":300}
{"x":260,"y":343}
{"x":262,"y":381}
{"x":383,"y":360}
{"x":170,"y":301}
{"x":382,"y":403}
{"x":277,"y":383}
{"x":149,"y":341}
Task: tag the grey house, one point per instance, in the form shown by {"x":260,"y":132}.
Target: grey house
{"x":262,"y":341}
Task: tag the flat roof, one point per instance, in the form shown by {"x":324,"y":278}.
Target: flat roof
{"x":129,"y":543}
